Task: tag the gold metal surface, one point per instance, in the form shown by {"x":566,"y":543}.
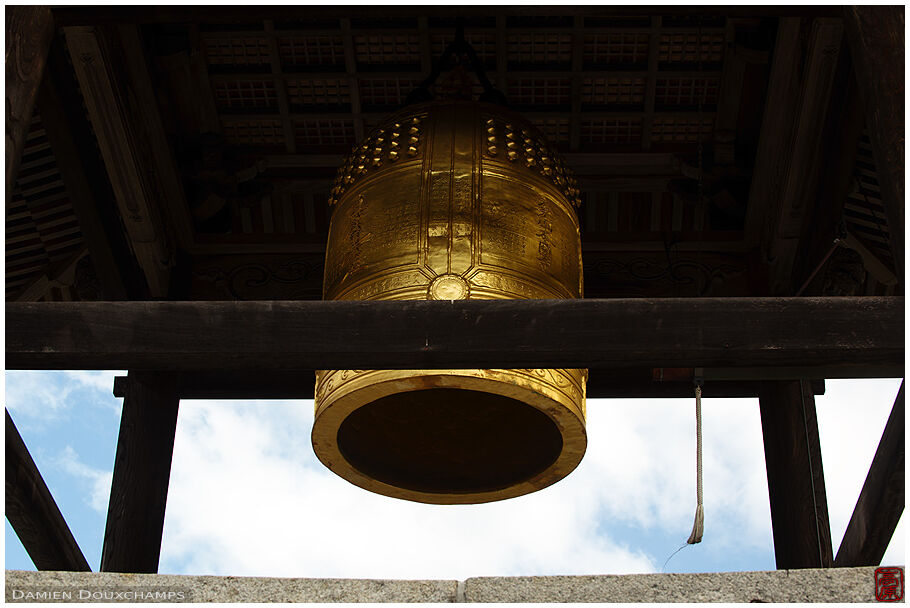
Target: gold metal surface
{"x":447,"y":201}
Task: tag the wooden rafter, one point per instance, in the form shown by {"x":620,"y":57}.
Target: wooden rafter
{"x":729,"y":99}
{"x":110,"y":67}
{"x":578,"y":38}
{"x":876,"y":35}
{"x":787,"y":167}
{"x":651,"y":87}
{"x":281,"y":87}
{"x":29,"y":30}
{"x":350,"y":66}
{"x":69,"y":139}
{"x":841,"y":135}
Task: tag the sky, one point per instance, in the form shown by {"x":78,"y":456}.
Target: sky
{"x":248,"y":498}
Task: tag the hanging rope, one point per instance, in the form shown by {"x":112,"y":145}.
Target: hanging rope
{"x":700,"y":190}
{"x":698,"y":528}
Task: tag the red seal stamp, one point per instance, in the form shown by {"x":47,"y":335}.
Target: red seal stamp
{"x":889,"y":584}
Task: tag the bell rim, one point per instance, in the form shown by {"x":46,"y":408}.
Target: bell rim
{"x":567,"y":417}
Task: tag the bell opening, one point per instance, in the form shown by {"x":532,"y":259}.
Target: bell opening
{"x":449,"y":441}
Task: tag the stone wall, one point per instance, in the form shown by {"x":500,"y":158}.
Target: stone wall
{"x":830,"y":585}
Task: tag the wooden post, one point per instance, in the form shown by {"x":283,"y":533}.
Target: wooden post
{"x":876,"y":37}
{"x":29,"y":30}
{"x":881,"y":500}
{"x":142,"y":468}
{"x":32,"y":512}
{"x":796,"y":480}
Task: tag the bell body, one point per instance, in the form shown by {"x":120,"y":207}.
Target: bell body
{"x":447,"y":201}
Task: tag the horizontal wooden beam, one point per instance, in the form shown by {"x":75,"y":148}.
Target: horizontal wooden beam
{"x":299,"y":384}
{"x":861,"y":335}
{"x":32,"y":512}
{"x":71,"y":15}
{"x":881,"y":500}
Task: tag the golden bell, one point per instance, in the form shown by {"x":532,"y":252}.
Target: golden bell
{"x":449,"y":201}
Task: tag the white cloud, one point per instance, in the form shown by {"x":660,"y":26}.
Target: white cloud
{"x":101,"y":381}
{"x":99,"y":479}
{"x":41,"y":397}
{"x":36,"y":395}
{"x":851,"y":417}
{"x":247,"y":496}
{"x":896,"y":554}
{"x":262,"y":504}
{"x":642,"y":459}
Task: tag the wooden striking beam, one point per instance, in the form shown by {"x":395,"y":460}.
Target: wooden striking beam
{"x":33,"y":514}
{"x":861,"y":335}
{"x":299,"y":384}
{"x":876,"y":37}
{"x":881,"y":500}
{"x":796,"y":479}
{"x":142,"y":469}
{"x":29,"y":30}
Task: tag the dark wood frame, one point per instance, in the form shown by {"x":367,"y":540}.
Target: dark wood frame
{"x":765,"y":339}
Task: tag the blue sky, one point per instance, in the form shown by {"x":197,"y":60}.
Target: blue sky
{"x":248,"y":497}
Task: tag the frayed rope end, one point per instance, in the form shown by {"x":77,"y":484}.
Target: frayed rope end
{"x":698,"y":528}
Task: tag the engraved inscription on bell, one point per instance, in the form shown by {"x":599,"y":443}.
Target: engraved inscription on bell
{"x":452,"y":201}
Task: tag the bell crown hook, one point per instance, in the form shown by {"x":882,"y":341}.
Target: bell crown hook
{"x":459,"y":48}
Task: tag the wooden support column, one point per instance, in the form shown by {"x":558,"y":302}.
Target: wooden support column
{"x":29,"y":30}
{"x":142,"y":468}
{"x":33,"y":514}
{"x":796,"y":479}
{"x":876,"y":37}
{"x":881,"y":500}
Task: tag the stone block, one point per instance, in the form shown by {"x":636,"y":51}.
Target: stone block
{"x":114,"y":587}
{"x":823,"y":585}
